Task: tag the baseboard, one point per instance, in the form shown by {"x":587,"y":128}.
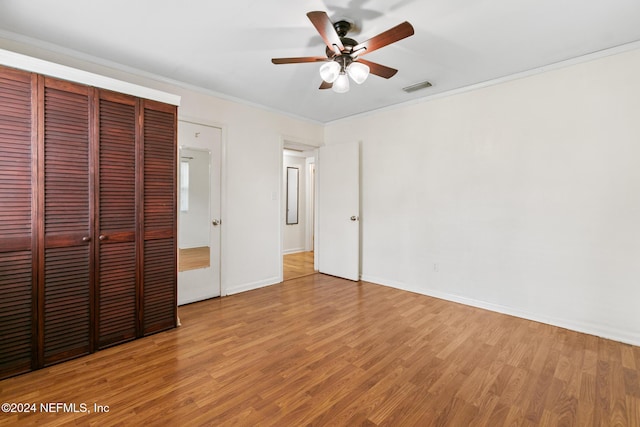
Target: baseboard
{"x":602,"y":331}
{"x":292,"y":251}
{"x":252,"y":286}
{"x":196,"y":299}
{"x":204,"y":245}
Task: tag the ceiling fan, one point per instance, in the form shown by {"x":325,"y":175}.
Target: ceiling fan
{"x":343,"y":54}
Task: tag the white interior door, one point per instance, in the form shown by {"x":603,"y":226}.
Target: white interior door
{"x":339,"y":210}
{"x":199,"y":221}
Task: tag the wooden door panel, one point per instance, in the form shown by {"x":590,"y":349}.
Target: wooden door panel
{"x":15,"y":159}
{"x":159,"y":284}
{"x":67,"y":251}
{"x":16,"y":309}
{"x":117,"y":166}
{"x":117,"y":293}
{"x":159,"y":197}
{"x":66,"y":166}
{"x":66,"y":303}
{"x":116,"y":223}
{"x":16,"y":213}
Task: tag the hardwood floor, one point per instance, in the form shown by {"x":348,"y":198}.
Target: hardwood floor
{"x":325,"y":351}
{"x":192,"y":258}
{"x":297,"y":265}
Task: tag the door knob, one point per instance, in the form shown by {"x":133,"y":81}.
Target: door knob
{"x":354,"y":218}
{"x":216,"y":222}
{"x":86,"y":239}
{"x":102,"y":237}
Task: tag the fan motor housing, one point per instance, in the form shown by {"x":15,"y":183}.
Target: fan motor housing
{"x":348,"y":44}
{"x":342,"y":27}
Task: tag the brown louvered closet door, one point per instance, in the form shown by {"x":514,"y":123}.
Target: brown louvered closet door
{"x":87,"y":219}
{"x":159,"y":219}
{"x":17,"y":151}
{"x":116,"y":222}
{"x":67,"y":282}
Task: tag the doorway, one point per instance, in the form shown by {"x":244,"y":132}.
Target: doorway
{"x":299,"y":208}
{"x":199,"y":221}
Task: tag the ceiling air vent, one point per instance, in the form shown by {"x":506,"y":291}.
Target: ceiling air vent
{"x":416,"y":87}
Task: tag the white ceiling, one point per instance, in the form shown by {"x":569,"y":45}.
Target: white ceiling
{"x":226,"y":47}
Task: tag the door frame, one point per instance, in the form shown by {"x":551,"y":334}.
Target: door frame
{"x":297,"y":143}
{"x":223,"y":188}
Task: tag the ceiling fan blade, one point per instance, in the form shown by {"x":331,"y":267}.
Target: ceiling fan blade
{"x":378,"y":69}
{"x":323,"y":24}
{"x":299,"y":60}
{"x":392,"y":35}
{"x":325,"y":85}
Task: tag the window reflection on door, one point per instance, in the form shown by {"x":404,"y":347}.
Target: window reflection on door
{"x":194,"y":209}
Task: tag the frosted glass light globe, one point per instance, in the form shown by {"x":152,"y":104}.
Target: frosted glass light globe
{"x":341,"y":85}
{"x":330,"y":71}
{"x":358,"y":72}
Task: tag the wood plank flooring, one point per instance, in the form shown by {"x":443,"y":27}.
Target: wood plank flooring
{"x":296,"y":265}
{"x":193,"y":258}
{"x":325,"y":351}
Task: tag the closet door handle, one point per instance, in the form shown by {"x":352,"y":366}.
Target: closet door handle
{"x":102,"y":237}
{"x":86,"y":239}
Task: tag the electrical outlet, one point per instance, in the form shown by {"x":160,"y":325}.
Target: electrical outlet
{"x":436,"y":267}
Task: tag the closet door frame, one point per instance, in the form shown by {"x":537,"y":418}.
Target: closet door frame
{"x":35,"y":222}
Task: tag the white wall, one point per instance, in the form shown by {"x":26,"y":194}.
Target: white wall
{"x":522,"y":197}
{"x":294,"y":234}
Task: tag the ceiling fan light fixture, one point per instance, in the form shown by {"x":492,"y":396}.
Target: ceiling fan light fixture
{"x":358,"y":72}
{"x":341,"y":62}
{"x":341,"y":85}
{"x":330,"y":71}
